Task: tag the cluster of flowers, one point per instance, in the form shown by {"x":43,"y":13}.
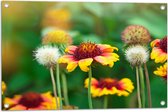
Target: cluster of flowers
{"x":159,"y":54}
{"x":136,"y":38}
{"x":57,"y":48}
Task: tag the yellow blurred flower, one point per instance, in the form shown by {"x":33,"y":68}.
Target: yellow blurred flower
{"x":57,"y":37}
{"x":109,"y":86}
{"x":87,"y":52}
{"x":159,"y":50}
{"x":161,"y":71}
{"x":31,"y":101}
{"x":59,"y":18}
{"x":3,"y":87}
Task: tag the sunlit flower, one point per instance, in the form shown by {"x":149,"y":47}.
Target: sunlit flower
{"x":59,"y":18}
{"x":136,"y":55}
{"x":159,"y":50}
{"x":161,"y":71}
{"x":109,"y":86}
{"x":31,"y":101}
{"x":3,"y":87}
{"x":47,"y":55}
{"x":136,"y":34}
{"x":57,"y":37}
{"x":87,"y":52}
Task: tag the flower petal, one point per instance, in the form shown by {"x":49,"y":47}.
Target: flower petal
{"x":71,"y":49}
{"x":127,"y":87}
{"x":84,"y":63}
{"x":71,"y":66}
{"x":155,"y":42}
{"x":94,"y":82}
{"x":158,"y":55}
{"x":12,"y":101}
{"x":101,"y":59}
{"x":65,"y":59}
{"x":18,"y":107}
{"x":107,"y":48}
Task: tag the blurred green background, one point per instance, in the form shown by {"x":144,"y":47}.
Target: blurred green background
{"x":22,"y":29}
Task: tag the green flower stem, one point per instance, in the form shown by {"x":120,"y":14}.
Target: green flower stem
{"x":138,"y":89}
{"x":65,"y":90}
{"x":148,"y":86}
{"x":89,"y":89}
{"x":142,"y":86}
{"x":58,"y":84}
{"x":105,"y":102}
{"x":54,"y":85}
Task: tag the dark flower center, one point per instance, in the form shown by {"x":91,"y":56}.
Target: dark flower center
{"x":163,"y":44}
{"x":109,"y":83}
{"x":31,"y":100}
{"x":87,"y":50}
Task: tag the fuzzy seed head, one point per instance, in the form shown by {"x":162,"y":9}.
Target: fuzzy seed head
{"x":136,"y":34}
{"x":137,"y":55}
{"x":47,"y":55}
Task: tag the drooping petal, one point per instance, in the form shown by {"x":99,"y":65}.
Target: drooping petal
{"x":85,"y":63}
{"x":72,"y":65}
{"x":71,"y":49}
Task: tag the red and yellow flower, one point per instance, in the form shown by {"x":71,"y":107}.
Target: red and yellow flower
{"x":31,"y":101}
{"x":161,"y":71}
{"x":109,"y":86}
{"x":87,"y":52}
{"x":159,"y":51}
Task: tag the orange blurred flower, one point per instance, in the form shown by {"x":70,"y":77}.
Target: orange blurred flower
{"x":109,"y":86}
{"x":59,"y":18}
{"x":31,"y":101}
{"x":159,"y":51}
{"x":87,"y":52}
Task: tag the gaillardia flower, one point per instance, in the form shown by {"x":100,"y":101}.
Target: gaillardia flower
{"x":31,"y":101}
{"x":159,"y":50}
{"x":87,"y":52}
{"x":136,"y":55}
{"x":136,"y":34}
{"x":161,"y":71}
{"x":57,"y":37}
{"x":47,"y":55}
{"x":3,"y":87}
{"x":109,"y":86}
